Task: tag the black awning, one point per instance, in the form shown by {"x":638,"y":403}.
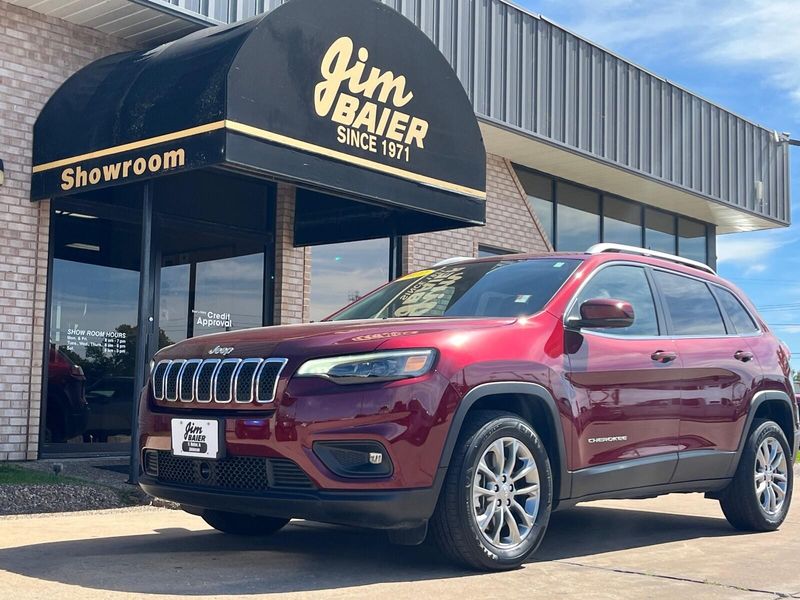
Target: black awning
{"x":347,"y":97}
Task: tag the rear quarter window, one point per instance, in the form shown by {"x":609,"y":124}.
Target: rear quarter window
{"x":737,"y":313}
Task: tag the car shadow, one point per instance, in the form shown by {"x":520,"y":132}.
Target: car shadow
{"x":310,"y":556}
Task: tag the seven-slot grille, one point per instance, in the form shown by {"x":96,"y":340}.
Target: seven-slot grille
{"x":217,"y":380}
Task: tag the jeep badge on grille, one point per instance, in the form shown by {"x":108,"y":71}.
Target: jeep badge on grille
{"x":221,"y":350}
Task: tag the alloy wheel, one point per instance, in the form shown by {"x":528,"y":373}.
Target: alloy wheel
{"x":771,"y":476}
{"x":505,"y":493}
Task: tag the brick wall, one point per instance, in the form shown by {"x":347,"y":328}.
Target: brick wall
{"x":510,"y":224}
{"x":37,"y":53}
{"x":292,"y":265}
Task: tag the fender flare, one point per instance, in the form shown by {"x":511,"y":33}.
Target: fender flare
{"x":758,"y":399}
{"x":519,"y":388}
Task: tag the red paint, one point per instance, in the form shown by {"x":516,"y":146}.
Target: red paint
{"x":660,"y":394}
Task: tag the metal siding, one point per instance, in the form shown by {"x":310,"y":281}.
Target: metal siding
{"x":527,"y":72}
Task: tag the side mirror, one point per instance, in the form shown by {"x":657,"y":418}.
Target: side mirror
{"x":604,"y":313}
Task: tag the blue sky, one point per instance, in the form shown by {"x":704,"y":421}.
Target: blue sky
{"x":744,"y":56}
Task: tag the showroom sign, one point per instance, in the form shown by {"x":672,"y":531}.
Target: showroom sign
{"x":348,"y":97}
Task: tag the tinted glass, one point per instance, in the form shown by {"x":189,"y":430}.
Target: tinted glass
{"x":622,"y":222}
{"x":692,"y":240}
{"x":540,"y":194}
{"x":691,"y":305}
{"x":93,"y":332}
{"x":623,"y":283}
{"x":659,"y":231}
{"x":578,"y":218}
{"x":343,"y":273}
{"x":497,"y":288}
{"x":738,"y":315}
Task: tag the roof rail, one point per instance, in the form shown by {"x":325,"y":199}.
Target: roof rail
{"x":606,"y":247}
{"x":452,"y":260}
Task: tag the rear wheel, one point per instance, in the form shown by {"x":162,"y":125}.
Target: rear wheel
{"x":496,"y":500}
{"x":758,"y":498}
{"x":239,"y":524}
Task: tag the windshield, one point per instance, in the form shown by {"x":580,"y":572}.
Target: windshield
{"x":499,"y":288}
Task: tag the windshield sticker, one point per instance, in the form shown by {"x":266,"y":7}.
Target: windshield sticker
{"x":522,"y":298}
{"x":424,"y":296}
{"x":416,"y":275}
{"x":558,"y":265}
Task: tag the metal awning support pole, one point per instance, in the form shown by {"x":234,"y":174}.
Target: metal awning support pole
{"x":146,"y":322}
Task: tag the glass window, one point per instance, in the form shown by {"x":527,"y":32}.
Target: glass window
{"x":501,"y":288}
{"x":622,"y":222}
{"x":93,"y":329}
{"x":484,"y":251}
{"x":737,"y":313}
{"x":623,"y":283}
{"x":659,"y":231}
{"x":343,"y":273}
{"x":692,"y":240}
{"x":212,"y":280}
{"x":540,"y":195}
{"x":578,"y":218}
{"x":691,"y":305}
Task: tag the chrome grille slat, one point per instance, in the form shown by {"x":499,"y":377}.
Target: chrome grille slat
{"x":244,"y":380}
{"x":186,"y":379}
{"x":171,"y":380}
{"x":267,"y":378}
{"x":222,"y":381}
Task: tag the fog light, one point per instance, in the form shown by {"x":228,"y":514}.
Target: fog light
{"x":355,"y":459}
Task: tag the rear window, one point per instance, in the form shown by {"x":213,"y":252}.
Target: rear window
{"x":692,"y":307}
{"x":500,"y":288}
{"x":738,"y":315}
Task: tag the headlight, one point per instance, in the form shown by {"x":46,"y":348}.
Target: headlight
{"x":370,"y":368}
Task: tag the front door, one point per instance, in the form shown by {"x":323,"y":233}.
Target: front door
{"x":626,"y":390}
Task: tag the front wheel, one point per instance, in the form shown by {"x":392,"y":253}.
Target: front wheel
{"x":240,"y":524}
{"x":758,"y":498}
{"x":497,"y":495}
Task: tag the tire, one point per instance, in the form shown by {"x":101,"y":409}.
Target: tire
{"x":744,"y":507}
{"x":455,"y":525}
{"x":240,"y":524}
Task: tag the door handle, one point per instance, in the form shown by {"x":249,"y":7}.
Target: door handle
{"x":743,"y":356}
{"x":663,"y":357}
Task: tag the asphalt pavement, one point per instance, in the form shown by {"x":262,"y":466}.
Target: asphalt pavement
{"x":675,"y":546}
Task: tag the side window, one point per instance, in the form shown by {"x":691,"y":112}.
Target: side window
{"x":737,"y":313}
{"x":691,"y":305}
{"x":623,"y":282}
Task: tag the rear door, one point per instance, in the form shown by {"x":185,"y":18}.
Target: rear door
{"x":626,"y":385}
{"x":719,"y":372}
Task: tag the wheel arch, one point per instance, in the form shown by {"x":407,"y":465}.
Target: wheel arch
{"x":777,"y":406}
{"x":532,"y":402}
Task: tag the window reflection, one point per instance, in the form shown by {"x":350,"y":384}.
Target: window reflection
{"x":578,"y":218}
{"x":93,"y":333}
{"x":343,"y":273}
{"x":622,"y":222}
{"x":540,"y":195}
{"x":659,"y":231}
{"x":692,"y":240}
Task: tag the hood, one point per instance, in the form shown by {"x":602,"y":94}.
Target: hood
{"x":327,"y":338}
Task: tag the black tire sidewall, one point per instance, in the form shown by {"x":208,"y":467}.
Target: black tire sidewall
{"x":762,"y":432}
{"x":498,"y":428}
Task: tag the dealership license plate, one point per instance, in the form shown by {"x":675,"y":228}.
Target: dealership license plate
{"x":195,"y":437}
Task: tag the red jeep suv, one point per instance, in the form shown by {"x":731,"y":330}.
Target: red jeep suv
{"x":470,"y":400}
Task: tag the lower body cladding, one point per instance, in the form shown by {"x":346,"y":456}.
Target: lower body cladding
{"x":373,"y":460}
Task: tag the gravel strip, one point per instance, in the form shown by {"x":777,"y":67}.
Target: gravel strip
{"x":43,"y":498}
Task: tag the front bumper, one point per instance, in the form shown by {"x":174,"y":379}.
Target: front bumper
{"x":378,"y":509}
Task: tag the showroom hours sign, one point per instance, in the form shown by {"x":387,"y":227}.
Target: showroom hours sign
{"x":110,"y":341}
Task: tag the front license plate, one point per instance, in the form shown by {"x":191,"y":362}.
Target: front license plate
{"x":195,"y":437}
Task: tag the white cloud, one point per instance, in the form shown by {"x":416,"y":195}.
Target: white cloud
{"x":759,"y":34}
{"x":755,"y":269}
{"x":752,"y":250}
